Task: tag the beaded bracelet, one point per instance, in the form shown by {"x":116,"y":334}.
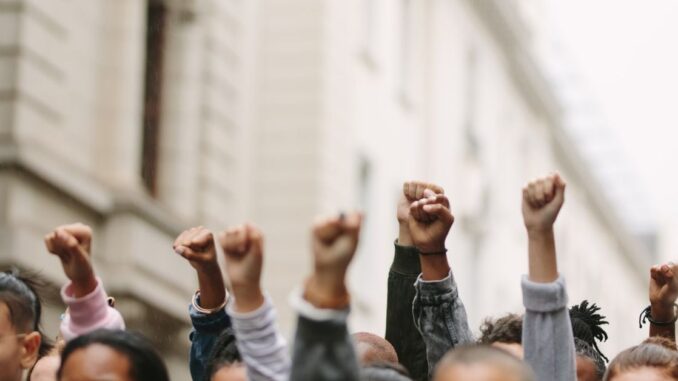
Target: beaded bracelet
{"x":646,"y":315}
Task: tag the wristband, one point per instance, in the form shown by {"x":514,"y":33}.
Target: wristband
{"x":443,"y":252}
{"x":646,"y":315}
{"x":206,"y":311}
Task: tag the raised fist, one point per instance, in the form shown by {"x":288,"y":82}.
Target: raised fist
{"x":243,"y":249}
{"x":542,"y":200}
{"x":335,"y":241}
{"x":413,"y":191}
{"x":197,"y":246}
{"x":664,"y":285}
{"x":71,"y":243}
{"x":430,"y":221}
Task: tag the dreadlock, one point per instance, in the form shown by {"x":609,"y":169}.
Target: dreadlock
{"x":587,"y":325}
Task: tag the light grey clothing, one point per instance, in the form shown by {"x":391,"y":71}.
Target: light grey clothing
{"x":262,"y":347}
{"x":548,"y":342}
{"x":440,"y":317}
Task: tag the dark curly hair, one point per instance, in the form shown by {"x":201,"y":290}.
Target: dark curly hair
{"x":506,"y":329}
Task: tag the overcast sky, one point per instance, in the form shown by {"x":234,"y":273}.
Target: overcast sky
{"x":626,"y":52}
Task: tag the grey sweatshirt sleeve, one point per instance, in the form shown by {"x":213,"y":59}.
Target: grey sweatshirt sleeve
{"x":547,"y":331}
{"x":323,"y":349}
{"x":440,"y":317}
{"x":262,"y":347}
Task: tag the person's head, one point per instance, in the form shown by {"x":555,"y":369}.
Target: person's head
{"x":111,"y":355}
{"x":662,"y":342}
{"x":21,"y":342}
{"x":590,"y":366}
{"x":504,"y":333}
{"x":386,"y":371}
{"x":646,"y":362}
{"x":224,"y":362}
{"x":373,"y":349}
{"x":481,"y":363}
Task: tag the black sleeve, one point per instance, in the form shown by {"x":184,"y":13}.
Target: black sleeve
{"x":400,"y":329}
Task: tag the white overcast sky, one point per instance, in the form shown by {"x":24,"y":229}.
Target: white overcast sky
{"x":626,"y":51}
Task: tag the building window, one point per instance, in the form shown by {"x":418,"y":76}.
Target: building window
{"x":156,"y":22}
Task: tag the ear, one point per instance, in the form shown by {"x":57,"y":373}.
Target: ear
{"x":30,"y":349}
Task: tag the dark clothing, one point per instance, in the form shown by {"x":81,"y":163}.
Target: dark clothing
{"x":323,"y":350}
{"x":206,"y":329}
{"x":400,"y":329}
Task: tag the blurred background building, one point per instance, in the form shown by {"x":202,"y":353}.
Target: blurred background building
{"x":142,"y":118}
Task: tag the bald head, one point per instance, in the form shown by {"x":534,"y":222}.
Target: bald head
{"x":373,"y":349}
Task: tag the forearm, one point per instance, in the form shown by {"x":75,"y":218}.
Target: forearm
{"x":663,"y":313}
{"x":401,"y":331}
{"x":440,"y":317}
{"x":89,"y":312}
{"x":212,"y":290}
{"x":543,"y":266}
{"x":323,"y":349}
{"x":262,"y":347}
{"x":548,"y":341}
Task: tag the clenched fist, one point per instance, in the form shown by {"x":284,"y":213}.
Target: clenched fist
{"x":664,"y":285}
{"x":334,"y":241}
{"x":243,"y":249}
{"x":542,"y":200}
{"x":197,"y":246}
{"x":430,"y":221}
{"x":71,"y":243}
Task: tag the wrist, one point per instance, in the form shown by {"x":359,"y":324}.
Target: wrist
{"x":326,"y":293}
{"x":83,"y":286}
{"x":404,"y":237}
{"x":208,"y":269}
{"x":662,"y":311}
{"x":247,"y":299}
{"x":434,"y":248}
{"x":540,"y":232}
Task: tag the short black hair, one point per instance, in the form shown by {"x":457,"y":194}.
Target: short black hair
{"x":145,"y":363}
{"x":587,"y":325}
{"x":506,"y":329}
{"x":224,"y":353}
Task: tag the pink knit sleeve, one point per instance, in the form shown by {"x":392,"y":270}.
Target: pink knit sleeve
{"x":88,"y":313}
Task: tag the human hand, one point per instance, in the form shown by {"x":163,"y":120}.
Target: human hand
{"x":72,"y":243}
{"x":430,"y":221}
{"x":412,"y":191}
{"x":197,"y":246}
{"x":542,"y":201}
{"x":243,"y":250}
{"x":335,"y":241}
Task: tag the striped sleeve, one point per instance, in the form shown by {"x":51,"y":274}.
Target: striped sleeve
{"x":262,"y":347}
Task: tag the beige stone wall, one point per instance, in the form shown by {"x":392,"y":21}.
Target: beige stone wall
{"x":275,"y":111}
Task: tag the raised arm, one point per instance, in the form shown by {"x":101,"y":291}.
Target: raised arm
{"x":663,"y":295}
{"x":207,"y":312}
{"x":323,"y":350}
{"x":261,"y":345}
{"x":401,"y":331}
{"x":438,"y":311}
{"x":547,"y":331}
{"x":87,"y":302}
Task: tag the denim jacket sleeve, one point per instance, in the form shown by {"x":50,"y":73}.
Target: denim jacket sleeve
{"x":440,"y":316}
{"x":548,"y":341}
{"x":206,"y":329}
{"x":323,"y":349}
{"x":401,"y":331}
